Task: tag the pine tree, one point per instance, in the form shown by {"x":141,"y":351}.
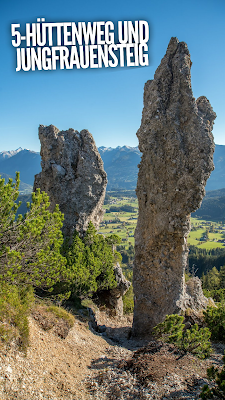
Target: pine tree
{"x":193,"y":340}
{"x":29,"y":245}
{"x":90,"y":262}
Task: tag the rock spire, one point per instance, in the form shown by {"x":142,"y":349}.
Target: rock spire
{"x":177,"y":158}
{"x":73,"y":176}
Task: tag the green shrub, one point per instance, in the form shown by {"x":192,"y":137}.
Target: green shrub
{"x":30,"y":245}
{"x":193,"y":340}
{"x":15,"y":305}
{"x":90,"y":262}
{"x":60,"y":312}
{"x":218,"y":389}
{"x":30,"y":256}
{"x":128,"y":301}
{"x":196,"y":341}
{"x":54,"y":318}
{"x":218,"y":295}
{"x":215,"y":320}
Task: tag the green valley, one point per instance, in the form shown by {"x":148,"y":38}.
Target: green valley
{"x":204,"y":234}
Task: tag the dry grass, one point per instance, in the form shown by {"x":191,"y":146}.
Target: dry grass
{"x":55,"y":318}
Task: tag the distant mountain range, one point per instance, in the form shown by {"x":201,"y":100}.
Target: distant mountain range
{"x":27,"y":162}
{"x":121,"y":166}
{"x":120,"y":163}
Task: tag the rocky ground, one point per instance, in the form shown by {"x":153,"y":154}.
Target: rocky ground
{"x":88,"y":365}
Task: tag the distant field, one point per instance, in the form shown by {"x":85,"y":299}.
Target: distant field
{"x":120,"y":223}
{"x":204,"y":234}
{"x":214,"y":238}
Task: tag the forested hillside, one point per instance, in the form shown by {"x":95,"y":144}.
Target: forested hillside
{"x":213,"y":206}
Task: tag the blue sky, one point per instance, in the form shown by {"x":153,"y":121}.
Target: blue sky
{"x":108,"y":102}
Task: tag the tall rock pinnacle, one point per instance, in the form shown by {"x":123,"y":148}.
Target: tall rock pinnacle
{"x":177,"y":158}
{"x":73,"y":176}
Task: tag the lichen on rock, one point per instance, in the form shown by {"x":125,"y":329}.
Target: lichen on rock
{"x":175,"y":138}
{"x":73,"y":176}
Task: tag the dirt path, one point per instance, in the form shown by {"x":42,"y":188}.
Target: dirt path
{"x":54,"y":368}
{"x":86,"y":365}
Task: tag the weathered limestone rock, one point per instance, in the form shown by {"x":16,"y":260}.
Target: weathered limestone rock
{"x":177,"y":145}
{"x":195,"y":299}
{"x":116,"y":294}
{"x":112,"y":298}
{"x":73,"y":176}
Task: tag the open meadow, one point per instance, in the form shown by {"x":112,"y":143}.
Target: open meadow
{"x":121,"y":218}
